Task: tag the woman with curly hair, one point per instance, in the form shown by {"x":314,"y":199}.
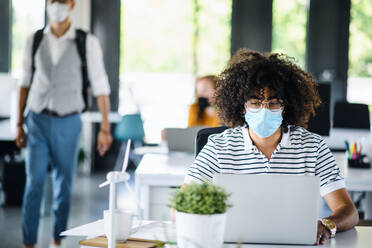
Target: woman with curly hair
{"x":266,"y":100}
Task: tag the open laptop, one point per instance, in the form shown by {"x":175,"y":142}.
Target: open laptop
{"x":275,"y":209}
{"x":181,"y":139}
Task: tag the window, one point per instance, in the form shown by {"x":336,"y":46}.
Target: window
{"x":289,"y":28}
{"x":165,"y":45}
{"x":360,"y":53}
{"x":214,"y":23}
{"x":28,"y":16}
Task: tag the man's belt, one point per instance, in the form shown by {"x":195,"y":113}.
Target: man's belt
{"x":55,"y":114}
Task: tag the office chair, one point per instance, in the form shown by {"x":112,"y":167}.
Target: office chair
{"x":202,"y":137}
{"x":321,"y":122}
{"x":130,"y":127}
{"x":351,"y":115}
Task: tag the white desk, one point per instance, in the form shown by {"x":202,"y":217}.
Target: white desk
{"x":158,"y":174}
{"x":154,"y":178}
{"x":359,"y":237}
{"x":357,"y":180}
{"x":6,"y":133}
{"x":337,"y":136}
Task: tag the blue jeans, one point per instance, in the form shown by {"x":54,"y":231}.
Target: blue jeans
{"x":55,"y":141}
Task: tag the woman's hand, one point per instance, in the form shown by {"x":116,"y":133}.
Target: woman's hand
{"x":322,"y":234}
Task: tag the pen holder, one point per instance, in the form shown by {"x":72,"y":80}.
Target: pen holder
{"x":359,"y":163}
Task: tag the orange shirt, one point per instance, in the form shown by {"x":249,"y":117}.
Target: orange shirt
{"x":206,"y":120}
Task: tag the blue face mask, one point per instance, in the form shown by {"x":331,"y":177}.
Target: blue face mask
{"x":265,"y":122}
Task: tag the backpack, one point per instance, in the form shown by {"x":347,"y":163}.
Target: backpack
{"x":80,"y":40}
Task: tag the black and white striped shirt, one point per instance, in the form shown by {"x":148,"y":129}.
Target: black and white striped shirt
{"x":299,"y":152}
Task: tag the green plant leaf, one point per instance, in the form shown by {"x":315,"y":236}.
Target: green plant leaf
{"x":204,"y":198}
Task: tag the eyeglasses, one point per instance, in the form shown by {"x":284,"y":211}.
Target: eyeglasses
{"x":255,"y":105}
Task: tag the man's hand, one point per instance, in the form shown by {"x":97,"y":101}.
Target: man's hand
{"x":104,"y":140}
{"x":322,"y":234}
{"x":20,"y":137}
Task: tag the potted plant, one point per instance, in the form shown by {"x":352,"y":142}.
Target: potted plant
{"x":200,"y":215}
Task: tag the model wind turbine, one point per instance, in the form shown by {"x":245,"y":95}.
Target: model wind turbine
{"x":114,"y":177}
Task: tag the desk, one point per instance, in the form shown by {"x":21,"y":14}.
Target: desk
{"x":155,"y":178}
{"x":357,"y":180}
{"x":158,"y":174}
{"x":337,"y":136}
{"x":359,"y":237}
{"x":6,"y":133}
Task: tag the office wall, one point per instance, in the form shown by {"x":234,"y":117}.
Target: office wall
{"x":6,"y":34}
{"x":81,"y":16}
{"x":328,"y":44}
{"x":105,"y":24}
{"x":251,"y":25}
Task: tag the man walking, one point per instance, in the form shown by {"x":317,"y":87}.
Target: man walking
{"x":52,"y":88}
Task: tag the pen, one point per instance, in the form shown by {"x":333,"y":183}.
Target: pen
{"x":347,"y":149}
{"x":354,"y":151}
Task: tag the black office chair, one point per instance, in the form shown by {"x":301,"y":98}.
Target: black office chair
{"x":202,"y":137}
{"x":351,"y":115}
{"x":321,"y":122}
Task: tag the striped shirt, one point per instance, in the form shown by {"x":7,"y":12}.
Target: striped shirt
{"x":299,"y":152}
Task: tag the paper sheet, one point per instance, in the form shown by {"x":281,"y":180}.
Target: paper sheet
{"x":154,"y":230}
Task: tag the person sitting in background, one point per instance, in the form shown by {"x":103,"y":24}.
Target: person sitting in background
{"x":201,"y":113}
{"x":267,"y":100}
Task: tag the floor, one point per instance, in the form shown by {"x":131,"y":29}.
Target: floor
{"x":88,"y":203}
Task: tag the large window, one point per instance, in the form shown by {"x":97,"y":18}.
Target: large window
{"x":27,"y":17}
{"x":360,"y":53}
{"x":289,"y":28}
{"x":165,"y":45}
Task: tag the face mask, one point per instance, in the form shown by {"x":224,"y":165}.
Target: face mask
{"x":58,"y":12}
{"x":265,"y":122}
{"x":203,"y":102}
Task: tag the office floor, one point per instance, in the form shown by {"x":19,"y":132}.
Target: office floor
{"x":88,"y":203}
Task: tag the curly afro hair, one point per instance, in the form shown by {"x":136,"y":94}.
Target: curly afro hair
{"x":249,"y":72}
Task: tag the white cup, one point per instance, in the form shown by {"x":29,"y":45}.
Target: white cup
{"x":122,"y":224}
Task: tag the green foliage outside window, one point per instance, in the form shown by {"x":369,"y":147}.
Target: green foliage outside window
{"x":289,"y":29}
{"x":360,"y":41}
{"x":158,"y":36}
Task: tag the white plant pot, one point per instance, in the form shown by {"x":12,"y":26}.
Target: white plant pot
{"x":200,"y":231}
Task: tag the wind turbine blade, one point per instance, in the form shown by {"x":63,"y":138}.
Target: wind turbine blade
{"x":104,"y":184}
{"x":129,"y":188}
{"x":126,"y":158}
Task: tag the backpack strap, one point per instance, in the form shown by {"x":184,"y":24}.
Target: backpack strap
{"x":38,"y":36}
{"x":80,"y":39}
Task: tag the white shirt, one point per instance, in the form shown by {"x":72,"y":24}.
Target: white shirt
{"x":96,"y":69}
{"x":299,"y":152}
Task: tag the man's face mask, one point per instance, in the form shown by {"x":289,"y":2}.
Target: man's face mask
{"x":58,"y":12}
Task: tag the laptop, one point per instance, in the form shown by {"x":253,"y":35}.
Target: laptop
{"x":181,"y":139}
{"x":275,"y":209}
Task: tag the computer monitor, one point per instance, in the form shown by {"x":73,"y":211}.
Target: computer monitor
{"x":321,"y":122}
